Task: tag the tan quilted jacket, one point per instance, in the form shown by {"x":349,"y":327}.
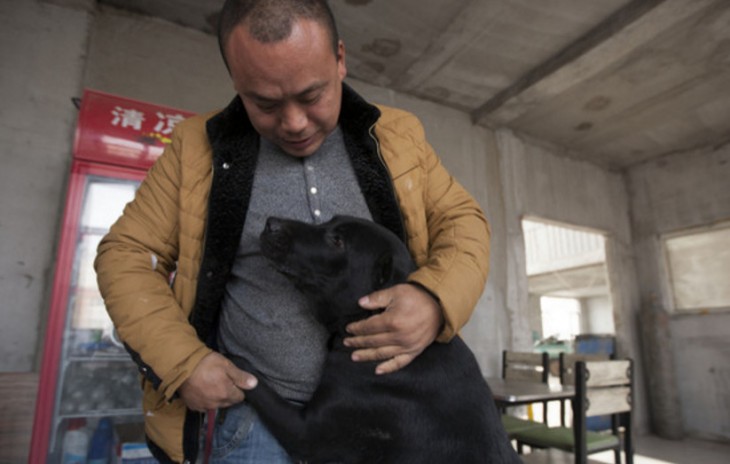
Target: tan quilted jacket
{"x":180,"y":213}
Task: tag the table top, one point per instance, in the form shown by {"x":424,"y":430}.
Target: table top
{"x":515,"y":392}
{"x":551,"y":456}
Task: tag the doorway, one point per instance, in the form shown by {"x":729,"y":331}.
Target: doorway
{"x":569,"y":296}
{"x":568,"y":285}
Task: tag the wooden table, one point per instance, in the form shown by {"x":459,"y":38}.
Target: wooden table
{"x":551,"y":456}
{"x":520,"y":392}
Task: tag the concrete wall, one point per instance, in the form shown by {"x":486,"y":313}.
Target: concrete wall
{"x":156,"y":61}
{"x":541,"y":181}
{"x":597,"y":315}
{"x":674,"y":193}
{"x":42,"y":50}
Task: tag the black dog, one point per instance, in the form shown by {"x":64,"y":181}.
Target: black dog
{"x":436,"y":410}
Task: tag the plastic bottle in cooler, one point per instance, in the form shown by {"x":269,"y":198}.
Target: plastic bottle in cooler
{"x":75,"y":443}
{"x":100,"y":450}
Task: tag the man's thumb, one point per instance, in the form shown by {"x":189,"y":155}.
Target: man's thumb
{"x":243,"y":379}
{"x":371,"y":301}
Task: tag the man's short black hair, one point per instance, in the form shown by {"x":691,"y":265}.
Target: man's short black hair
{"x":272,"y":20}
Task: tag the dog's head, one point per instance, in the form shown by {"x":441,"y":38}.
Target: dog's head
{"x":337,"y":262}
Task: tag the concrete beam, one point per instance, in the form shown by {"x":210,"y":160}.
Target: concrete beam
{"x":468,"y":26}
{"x":86,"y":5}
{"x":612,"y":40}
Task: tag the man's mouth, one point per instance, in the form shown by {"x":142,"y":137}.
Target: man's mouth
{"x":299,"y":144}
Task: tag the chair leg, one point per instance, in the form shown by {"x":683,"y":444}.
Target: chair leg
{"x":628,"y":446}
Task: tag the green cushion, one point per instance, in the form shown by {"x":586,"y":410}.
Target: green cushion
{"x":514,"y":424}
{"x":562,"y":438}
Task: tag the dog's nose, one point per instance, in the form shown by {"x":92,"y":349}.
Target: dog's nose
{"x":273,"y":225}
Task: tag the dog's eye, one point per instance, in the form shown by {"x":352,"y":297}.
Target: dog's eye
{"x":337,"y":241}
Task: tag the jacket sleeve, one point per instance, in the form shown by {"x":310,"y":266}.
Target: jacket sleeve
{"x":134,"y":263}
{"x":457,"y":261}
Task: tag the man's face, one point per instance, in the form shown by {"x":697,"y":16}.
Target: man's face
{"x":291,"y":89}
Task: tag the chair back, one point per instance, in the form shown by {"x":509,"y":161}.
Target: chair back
{"x":525,"y":366}
{"x":566,"y":362}
{"x":602,"y":387}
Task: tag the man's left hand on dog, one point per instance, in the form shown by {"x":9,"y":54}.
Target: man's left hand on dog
{"x":411,"y":320}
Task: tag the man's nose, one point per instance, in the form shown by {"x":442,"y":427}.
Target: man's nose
{"x":293,"y":119}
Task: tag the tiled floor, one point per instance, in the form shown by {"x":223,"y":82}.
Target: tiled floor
{"x":651,"y":449}
{"x":654,"y":450}
{"x":17,"y":405}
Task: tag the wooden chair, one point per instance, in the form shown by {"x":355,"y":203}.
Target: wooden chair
{"x":530,"y":366}
{"x":533,"y":367}
{"x":566,"y":363}
{"x":601,"y":387}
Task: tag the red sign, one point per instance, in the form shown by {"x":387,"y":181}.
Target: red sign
{"x":122,"y":131}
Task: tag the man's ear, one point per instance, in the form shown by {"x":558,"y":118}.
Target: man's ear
{"x":382,"y":271}
{"x":341,"y":66}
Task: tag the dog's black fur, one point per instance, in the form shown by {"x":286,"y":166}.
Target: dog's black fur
{"x":438,"y":409}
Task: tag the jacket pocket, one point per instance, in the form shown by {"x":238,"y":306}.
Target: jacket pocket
{"x":237,"y":425}
{"x":152,"y":399}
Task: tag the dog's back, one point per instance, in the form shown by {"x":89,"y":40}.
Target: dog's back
{"x":438,"y":409}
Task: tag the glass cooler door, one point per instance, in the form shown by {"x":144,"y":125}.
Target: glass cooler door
{"x":94,"y":376}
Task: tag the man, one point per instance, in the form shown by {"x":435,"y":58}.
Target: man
{"x":295,"y":142}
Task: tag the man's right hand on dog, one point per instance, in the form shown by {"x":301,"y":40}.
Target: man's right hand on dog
{"x":215,"y":383}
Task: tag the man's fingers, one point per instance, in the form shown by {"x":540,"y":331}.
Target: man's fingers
{"x":377,"y":354}
{"x":227,"y":398}
{"x":394,"y":364}
{"x":379,"y":339}
{"x":215,"y":382}
{"x":377,"y":324}
{"x":409,"y":323}
{"x":236,"y":396}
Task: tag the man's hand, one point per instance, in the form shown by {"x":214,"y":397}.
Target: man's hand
{"x":411,"y":321}
{"x":215,"y":383}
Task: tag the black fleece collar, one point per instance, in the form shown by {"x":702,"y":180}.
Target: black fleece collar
{"x":235,"y":146}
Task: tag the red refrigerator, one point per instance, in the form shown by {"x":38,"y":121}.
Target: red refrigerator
{"x":86,"y":374}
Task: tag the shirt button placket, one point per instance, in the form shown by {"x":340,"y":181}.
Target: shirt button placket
{"x":313,"y":196}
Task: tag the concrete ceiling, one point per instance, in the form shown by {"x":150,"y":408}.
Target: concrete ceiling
{"x":582,"y":282}
{"x":613,"y":82}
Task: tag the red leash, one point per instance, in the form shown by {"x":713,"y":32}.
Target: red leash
{"x":208,"y":447}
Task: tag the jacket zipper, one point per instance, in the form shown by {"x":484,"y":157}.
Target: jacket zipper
{"x":371,"y":132}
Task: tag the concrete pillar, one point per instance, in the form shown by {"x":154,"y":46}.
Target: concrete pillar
{"x":665,"y":409}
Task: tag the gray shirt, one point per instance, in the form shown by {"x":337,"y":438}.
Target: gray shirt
{"x":264,"y":318}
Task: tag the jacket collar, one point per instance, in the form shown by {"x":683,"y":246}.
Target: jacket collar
{"x":356,"y":114}
{"x":235,"y":147}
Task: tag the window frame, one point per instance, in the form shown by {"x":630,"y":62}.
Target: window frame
{"x":669,"y":278}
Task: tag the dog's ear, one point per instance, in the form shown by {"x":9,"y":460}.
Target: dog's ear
{"x":383,"y":270}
